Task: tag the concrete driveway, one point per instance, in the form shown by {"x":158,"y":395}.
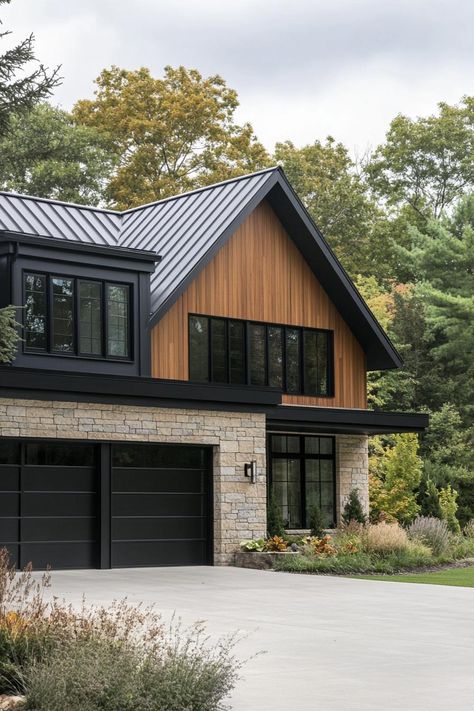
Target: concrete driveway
{"x":331,"y":643}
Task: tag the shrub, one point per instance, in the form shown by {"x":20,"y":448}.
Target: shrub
{"x":276,"y":543}
{"x":428,"y":497}
{"x":353,"y":510}
{"x":468,"y":529}
{"x":99,"y":674}
{"x":275,"y":523}
{"x":384,"y":538}
{"x":119,"y":658}
{"x":253,"y":545}
{"x":447,"y":502}
{"x":430,"y":531}
{"x":315,"y":521}
{"x":319,"y":546}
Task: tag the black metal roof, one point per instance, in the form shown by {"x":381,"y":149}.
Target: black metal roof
{"x":187,"y":231}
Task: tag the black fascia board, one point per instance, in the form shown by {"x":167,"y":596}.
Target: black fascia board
{"x":19,"y":243}
{"x":344,"y":420}
{"x":151,"y":392}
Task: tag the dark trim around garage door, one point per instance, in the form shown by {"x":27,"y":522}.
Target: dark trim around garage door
{"x":102,"y":554}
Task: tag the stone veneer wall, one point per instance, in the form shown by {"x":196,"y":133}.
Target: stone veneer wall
{"x":239,"y":506}
{"x":352,"y":467}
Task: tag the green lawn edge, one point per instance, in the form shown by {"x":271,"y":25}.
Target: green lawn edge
{"x":455,"y":577}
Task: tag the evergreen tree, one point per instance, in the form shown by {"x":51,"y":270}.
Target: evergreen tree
{"x":315,"y":521}
{"x":353,"y":510}
{"x":428,"y":498}
{"x":9,"y":336}
{"x":275,"y":523}
{"x":20,"y":90}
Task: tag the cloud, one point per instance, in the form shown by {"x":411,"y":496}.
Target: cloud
{"x":302,"y":68}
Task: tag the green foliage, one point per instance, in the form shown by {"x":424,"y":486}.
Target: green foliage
{"x":100,"y":675}
{"x":426,"y":163}
{"x":23,"y":80}
{"x":428,"y":498}
{"x":275,"y":523}
{"x":315,"y":521}
{"x":406,"y":559}
{"x":46,"y":153}
{"x":257,"y":544}
{"x":448,"y":505}
{"x":327,"y":181}
{"x":170,"y":134}
{"x":353,"y":510}
{"x":395,"y":477}
{"x":9,"y":334}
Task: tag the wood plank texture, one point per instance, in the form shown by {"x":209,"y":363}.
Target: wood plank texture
{"x":261,"y":275}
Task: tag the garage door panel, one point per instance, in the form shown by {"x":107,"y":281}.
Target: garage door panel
{"x":64,"y":554}
{"x":9,"y":504}
{"x":58,"y":529}
{"x":158,"y":528}
{"x":159,"y":480}
{"x":159,"y":456}
{"x":65,"y":479}
{"x":53,"y":504}
{"x":148,"y":553}
{"x":9,"y":529}
{"x":131,"y":504}
{"x":9,"y":478}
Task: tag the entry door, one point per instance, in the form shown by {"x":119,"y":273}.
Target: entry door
{"x":160,"y":505}
{"x":48,"y":504}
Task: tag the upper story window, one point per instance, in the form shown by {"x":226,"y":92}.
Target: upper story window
{"x":297,"y":360}
{"x":78,"y":317}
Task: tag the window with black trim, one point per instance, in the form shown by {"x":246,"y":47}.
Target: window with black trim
{"x":302,"y":474}
{"x":77,"y":317}
{"x":298,"y":360}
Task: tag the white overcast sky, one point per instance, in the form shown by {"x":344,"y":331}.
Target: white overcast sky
{"x":302,"y":68}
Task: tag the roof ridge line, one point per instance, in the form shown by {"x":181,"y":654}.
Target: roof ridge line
{"x":273,"y":168}
{"x":54,"y":201}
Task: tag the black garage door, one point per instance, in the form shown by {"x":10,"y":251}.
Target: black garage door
{"x":160,"y":505}
{"x":74,"y":505}
{"x":48,"y":503}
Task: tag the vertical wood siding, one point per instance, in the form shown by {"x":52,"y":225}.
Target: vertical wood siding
{"x":261,"y":275}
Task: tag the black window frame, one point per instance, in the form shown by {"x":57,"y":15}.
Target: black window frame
{"x":76,"y":353}
{"x":303,"y":457}
{"x":302,"y":390}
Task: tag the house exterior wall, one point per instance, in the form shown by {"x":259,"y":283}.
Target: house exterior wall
{"x":236,"y":438}
{"x":352,"y":467}
{"x":260,"y":275}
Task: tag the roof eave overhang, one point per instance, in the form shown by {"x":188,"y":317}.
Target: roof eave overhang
{"x":289,"y":418}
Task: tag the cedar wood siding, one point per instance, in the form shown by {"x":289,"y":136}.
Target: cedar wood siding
{"x":259,"y":274}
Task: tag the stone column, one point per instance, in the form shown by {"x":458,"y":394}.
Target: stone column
{"x":352,"y":470}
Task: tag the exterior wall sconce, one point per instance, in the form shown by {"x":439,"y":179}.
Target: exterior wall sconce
{"x":250,"y":470}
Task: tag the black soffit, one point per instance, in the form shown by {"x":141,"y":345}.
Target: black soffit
{"x":189,"y":229}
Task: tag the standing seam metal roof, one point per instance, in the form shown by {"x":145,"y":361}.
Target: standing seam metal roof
{"x":180,"y":229}
{"x":186,"y":230}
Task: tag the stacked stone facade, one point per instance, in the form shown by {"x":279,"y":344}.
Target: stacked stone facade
{"x":352,"y":467}
{"x":236,"y":438}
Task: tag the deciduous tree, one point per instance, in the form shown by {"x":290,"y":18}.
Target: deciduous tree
{"x":428,"y":162}
{"x":170,"y":134}
{"x":46,"y":153}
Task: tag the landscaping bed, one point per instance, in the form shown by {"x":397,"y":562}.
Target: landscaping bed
{"x":383,"y":548}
